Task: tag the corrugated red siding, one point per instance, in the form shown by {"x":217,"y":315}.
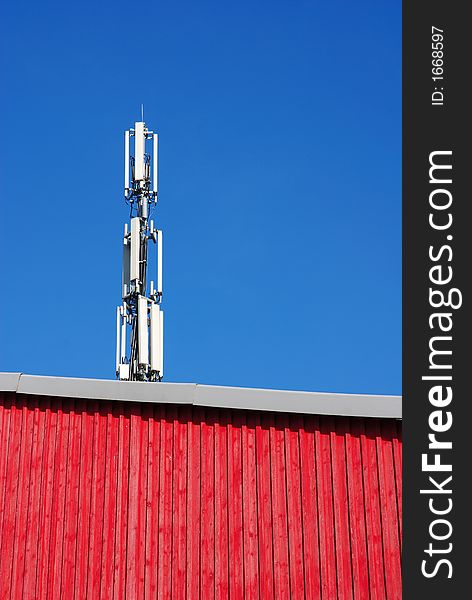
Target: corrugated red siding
{"x":117,"y":500}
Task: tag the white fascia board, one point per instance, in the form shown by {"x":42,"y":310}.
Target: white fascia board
{"x":317,"y":403}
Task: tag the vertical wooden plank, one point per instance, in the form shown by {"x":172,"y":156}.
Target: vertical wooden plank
{"x":341,"y":504}
{"x":294,"y":509}
{"x":7,"y":420}
{"x":132,"y":572}
{"x":152,"y":516}
{"x":122,"y":412}
{"x":235,"y":508}
{"x":11,"y":493}
{"x":46,"y":458}
{"x":4,"y":450}
{"x":372,"y":510}
{"x":251,"y":551}
{"x":388,"y":508}
{"x":58,"y":503}
{"x":142,"y":500}
{"x":3,"y":461}
{"x":397,"y":459}
{"x":279,"y":508}
{"x":97,"y":491}
{"x":71,"y":499}
{"x":110,"y":499}
{"x":12,"y":496}
{"x":165,"y":505}
{"x":325,"y":507}
{"x":360,"y":568}
{"x":221,"y":507}
{"x":154,"y":415}
{"x":47,"y":483}
{"x":264,"y":500}
{"x":6,"y":411}
{"x":179,"y":502}
{"x":309,"y":509}
{"x":85,"y":487}
{"x":137,"y":505}
{"x":193,"y":505}
{"x":32,"y":540}
{"x":207,"y":564}
{"x":23,"y":504}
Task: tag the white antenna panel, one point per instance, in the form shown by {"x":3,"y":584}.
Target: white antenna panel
{"x":143,"y":341}
{"x":134,"y":248}
{"x":126,"y":162}
{"x":139,"y":141}
{"x":124,"y":371}
{"x":155,"y":337}
{"x":118,"y":340}
{"x":155,"y":155}
{"x":123,"y":333}
{"x":161,"y":344}
{"x":159,"y":262}
{"x":125,"y":268}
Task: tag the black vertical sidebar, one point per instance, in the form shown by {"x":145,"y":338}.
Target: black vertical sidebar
{"x":437,"y":270}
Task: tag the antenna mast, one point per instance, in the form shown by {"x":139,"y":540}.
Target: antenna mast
{"x":140,"y":313}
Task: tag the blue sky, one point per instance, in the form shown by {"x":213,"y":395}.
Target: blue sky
{"x":280,"y":187}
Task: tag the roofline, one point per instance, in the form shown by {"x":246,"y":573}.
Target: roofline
{"x":316,"y":403}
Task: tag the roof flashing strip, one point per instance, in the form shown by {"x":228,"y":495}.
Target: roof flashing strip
{"x":318,"y":403}
{"x":9,"y":382}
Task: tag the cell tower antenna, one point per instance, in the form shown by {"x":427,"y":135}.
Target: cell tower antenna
{"x":140,"y":314}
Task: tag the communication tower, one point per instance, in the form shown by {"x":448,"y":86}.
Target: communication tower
{"x":140,"y":316}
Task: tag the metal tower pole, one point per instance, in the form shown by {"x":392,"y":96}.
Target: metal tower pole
{"x":140,"y":313}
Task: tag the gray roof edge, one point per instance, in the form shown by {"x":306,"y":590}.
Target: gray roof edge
{"x":317,"y":403}
{"x":104,"y":389}
{"x":9,"y":382}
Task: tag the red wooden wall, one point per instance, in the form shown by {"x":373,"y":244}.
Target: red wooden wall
{"x":119,"y":500}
